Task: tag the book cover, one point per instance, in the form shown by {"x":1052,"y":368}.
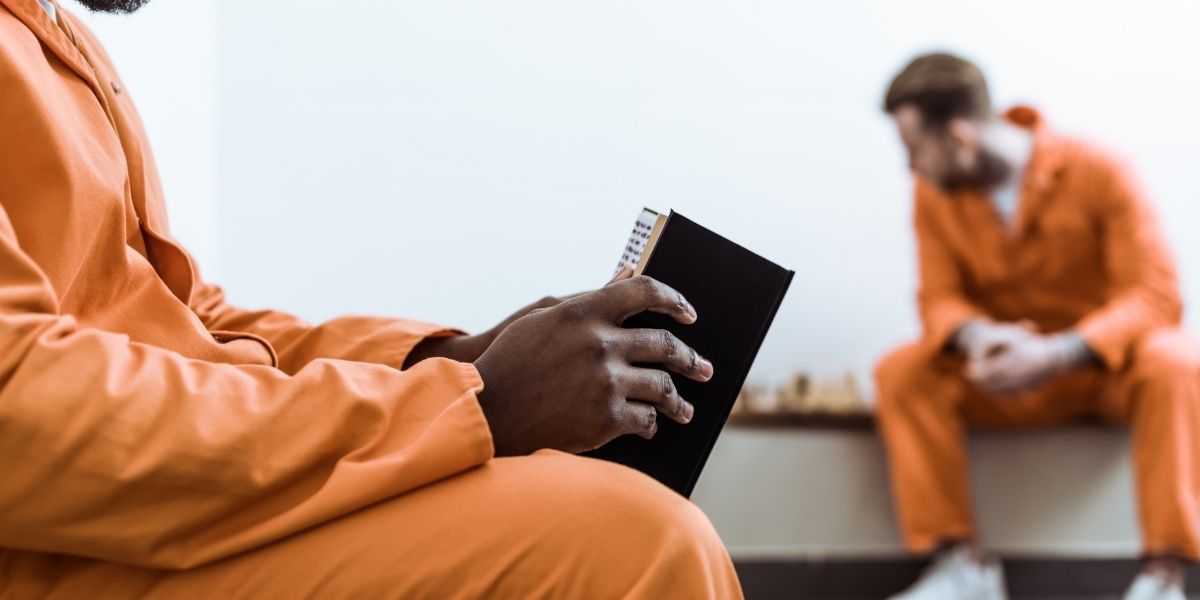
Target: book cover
{"x":736,"y":294}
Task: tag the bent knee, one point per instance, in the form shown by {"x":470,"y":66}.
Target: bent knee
{"x":897,"y":365}
{"x":622,"y":516}
{"x":896,"y":374}
{"x":641,"y":502}
{"x":1166,"y":354}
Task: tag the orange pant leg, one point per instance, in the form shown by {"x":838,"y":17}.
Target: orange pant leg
{"x":923,"y":406}
{"x":548,"y":525}
{"x":918,"y":411}
{"x":1159,"y":396}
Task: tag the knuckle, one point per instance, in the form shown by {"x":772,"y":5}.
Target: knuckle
{"x":610,"y":383}
{"x":547,"y":302}
{"x":647,"y":285}
{"x":667,"y":346}
{"x":667,"y":385}
{"x":605,"y":347}
{"x":650,"y":421}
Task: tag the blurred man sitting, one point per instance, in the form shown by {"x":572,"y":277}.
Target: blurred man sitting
{"x":1047,"y":295}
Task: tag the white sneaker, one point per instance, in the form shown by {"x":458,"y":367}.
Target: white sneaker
{"x":1152,"y":586}
{"x":955,"y":576}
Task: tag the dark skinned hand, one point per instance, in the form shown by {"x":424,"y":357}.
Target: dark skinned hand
{"x":468,"y":348}
{"x":565,"y":377}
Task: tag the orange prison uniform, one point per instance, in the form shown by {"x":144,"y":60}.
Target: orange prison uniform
{"x":1084,"y":253}
{"x":158,"y":442}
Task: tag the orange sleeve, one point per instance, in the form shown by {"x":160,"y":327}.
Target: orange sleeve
{"x":941,"y":300}
{"x":380,"y":340}
{"x":130,"y":453}
{"x":1143,"y":287}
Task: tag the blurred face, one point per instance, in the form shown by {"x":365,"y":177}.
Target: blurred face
{"x":948,"y":156}
{"x":113,"y":6}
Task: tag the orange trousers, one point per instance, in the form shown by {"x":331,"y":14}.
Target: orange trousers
{"x":925,"y":404}
{"x":547,"y":525}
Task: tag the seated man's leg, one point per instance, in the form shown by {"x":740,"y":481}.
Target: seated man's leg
{"x":924,"y":404}
{"x":547,"y":525}
{"x":1159,"y":396}
{"x":918,"y":409}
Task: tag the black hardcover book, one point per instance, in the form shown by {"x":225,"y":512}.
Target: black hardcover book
{"x":736,"y":294}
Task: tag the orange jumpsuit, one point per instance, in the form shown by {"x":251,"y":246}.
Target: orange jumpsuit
{"x":156,"y":441}
{"x":1084,"y":253}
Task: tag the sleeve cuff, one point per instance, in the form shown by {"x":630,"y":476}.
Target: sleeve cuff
{"x":412,"y":333}
{"x":1111,"y":351}
{"x":482,"y":433}
{"x":940,"y":328}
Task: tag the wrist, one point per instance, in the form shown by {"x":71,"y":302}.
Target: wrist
{"x":489,"y":398}
{"x":471,"y":347}
{"x":462,"y":348}
{"x":1070,"y":351}
{"x":966,"y":335}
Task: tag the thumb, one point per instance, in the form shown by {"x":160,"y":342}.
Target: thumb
{"x":622,"y":274}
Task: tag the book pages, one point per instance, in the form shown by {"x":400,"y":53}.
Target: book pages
{"x":636,"y":245}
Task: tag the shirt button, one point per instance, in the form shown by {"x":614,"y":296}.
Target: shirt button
{"x":116,"y":87}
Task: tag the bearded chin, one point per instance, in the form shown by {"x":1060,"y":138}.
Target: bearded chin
{"x":113,"y":6}
{"x":990,"y":169}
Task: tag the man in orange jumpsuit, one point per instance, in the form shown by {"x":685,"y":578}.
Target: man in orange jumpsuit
{"x":157,"y":442}
{"x":1047,"y":294}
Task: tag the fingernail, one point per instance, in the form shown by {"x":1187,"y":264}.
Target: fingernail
{"x":691,"y":310}
{"x":706,"y":369}
{"x":688,"y":411}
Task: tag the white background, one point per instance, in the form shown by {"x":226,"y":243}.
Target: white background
{"x":454,"y":160}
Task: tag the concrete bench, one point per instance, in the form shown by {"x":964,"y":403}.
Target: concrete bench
{"x":806,"y":512}
{"x":823,"y":492}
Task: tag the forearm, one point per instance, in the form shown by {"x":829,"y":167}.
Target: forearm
{"x":1071,"y":351}
{"x":1112,"y":330}
{"x":125,"y":452}
{"x":378,"y":340}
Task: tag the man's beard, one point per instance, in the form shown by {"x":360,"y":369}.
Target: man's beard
{"x":954,"y":181}
{"x":990,"y":170}
{"x":113,"y":6}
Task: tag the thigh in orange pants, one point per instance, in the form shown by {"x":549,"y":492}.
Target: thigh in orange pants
{"x":924,"y":406}
{"x":547,"y":525}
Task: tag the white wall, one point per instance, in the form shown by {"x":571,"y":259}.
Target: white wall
{"x":454,"y":160}
{"x":167,"y":58}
